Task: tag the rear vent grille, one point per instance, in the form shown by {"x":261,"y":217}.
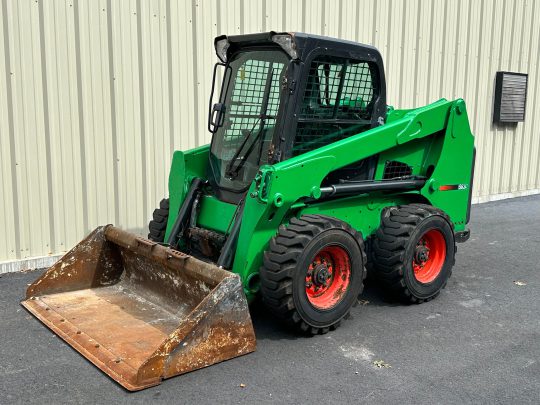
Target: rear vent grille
{"x":394,"y":169}
{"x":510,"y":97}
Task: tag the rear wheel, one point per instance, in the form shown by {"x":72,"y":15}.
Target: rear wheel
{"x":158,"y":224}
{"x":313,"y":272}
{"x":414,"y":251}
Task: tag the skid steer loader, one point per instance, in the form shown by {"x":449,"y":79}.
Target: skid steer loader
{"x":309,"y":178}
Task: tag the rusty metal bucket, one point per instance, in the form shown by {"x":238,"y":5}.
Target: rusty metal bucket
{"x":142,"y":312}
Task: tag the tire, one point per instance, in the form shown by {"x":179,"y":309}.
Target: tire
{"x":158,"y":224}
{"x":296,"y":263}
{"x":414,"y":252}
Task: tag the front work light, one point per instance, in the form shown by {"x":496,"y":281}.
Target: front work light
{"x":222,"y":46}
{"x":286,"y":43}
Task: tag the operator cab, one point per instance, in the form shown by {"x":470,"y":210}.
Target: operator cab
{"x":285,"y":94}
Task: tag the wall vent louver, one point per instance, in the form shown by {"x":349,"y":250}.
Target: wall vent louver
{"x":510,"y":97}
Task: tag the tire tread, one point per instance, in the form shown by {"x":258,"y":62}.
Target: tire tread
{"x":279,"y":265}
{"x":158,"y":223}
{"x":390,"y":243}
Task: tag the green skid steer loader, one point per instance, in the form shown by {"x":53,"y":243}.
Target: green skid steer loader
{"x":309,"y":178}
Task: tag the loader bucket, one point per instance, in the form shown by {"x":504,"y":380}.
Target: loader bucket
{"x":142,"y":312}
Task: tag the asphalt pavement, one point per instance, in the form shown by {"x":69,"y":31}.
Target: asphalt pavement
{"x":478,"y":342}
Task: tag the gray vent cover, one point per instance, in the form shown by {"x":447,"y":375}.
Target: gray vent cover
{"x":510,"y":97}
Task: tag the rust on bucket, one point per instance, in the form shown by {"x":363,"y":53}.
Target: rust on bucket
{"x":142,"y":312}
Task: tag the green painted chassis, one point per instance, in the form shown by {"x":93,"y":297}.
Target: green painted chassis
{"x":434,"y":138}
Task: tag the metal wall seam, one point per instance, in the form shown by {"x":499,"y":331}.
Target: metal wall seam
{"x":535,"y":141}
{"x":484,"y":144}
{"x":516,"y":63}
{"x":532,"y":172}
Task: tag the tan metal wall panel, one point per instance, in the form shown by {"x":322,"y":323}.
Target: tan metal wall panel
{"x":30,"y":154}
{"x":532,"y":171}
{"x":95,"y":95}
{"x":8,"y":202}
{"x":63,"y":130}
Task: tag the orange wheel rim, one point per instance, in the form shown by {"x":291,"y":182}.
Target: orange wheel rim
{"x":328,"y":277}
{"x":429,"y":256}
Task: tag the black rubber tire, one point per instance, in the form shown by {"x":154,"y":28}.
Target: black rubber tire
{"x":158,"y":224}
{"x":286,"y":261}
{"x":394,"y":245}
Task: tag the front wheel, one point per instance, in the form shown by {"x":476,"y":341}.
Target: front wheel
{"x":414,"y":251}
{"x":313,"y":272}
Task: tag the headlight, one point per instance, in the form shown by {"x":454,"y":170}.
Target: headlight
{"x":221,"y":49}
{"x":286,"y":43}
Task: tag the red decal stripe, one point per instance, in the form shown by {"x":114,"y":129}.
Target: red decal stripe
{"x":448,"y":187}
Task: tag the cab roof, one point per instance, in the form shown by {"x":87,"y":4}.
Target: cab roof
{"x":302,"y":45}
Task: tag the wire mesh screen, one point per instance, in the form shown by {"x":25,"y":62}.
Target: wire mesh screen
{"x":247,"y":100}
{"x":313,"y":135}
{"x":251,"y":93}
{"x":321,"y":90}
{"x":357,"y":93}
{"x":337,"y":103}
{"x":394,"y":169}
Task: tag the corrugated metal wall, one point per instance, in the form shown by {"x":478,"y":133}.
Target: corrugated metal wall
{"x":96,"y":94}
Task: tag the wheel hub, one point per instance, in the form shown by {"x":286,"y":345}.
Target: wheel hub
{"x":422,"y":254}
{"x":429,"y":256}
{"x":321,"y":275}
{"x":328,"y":277}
